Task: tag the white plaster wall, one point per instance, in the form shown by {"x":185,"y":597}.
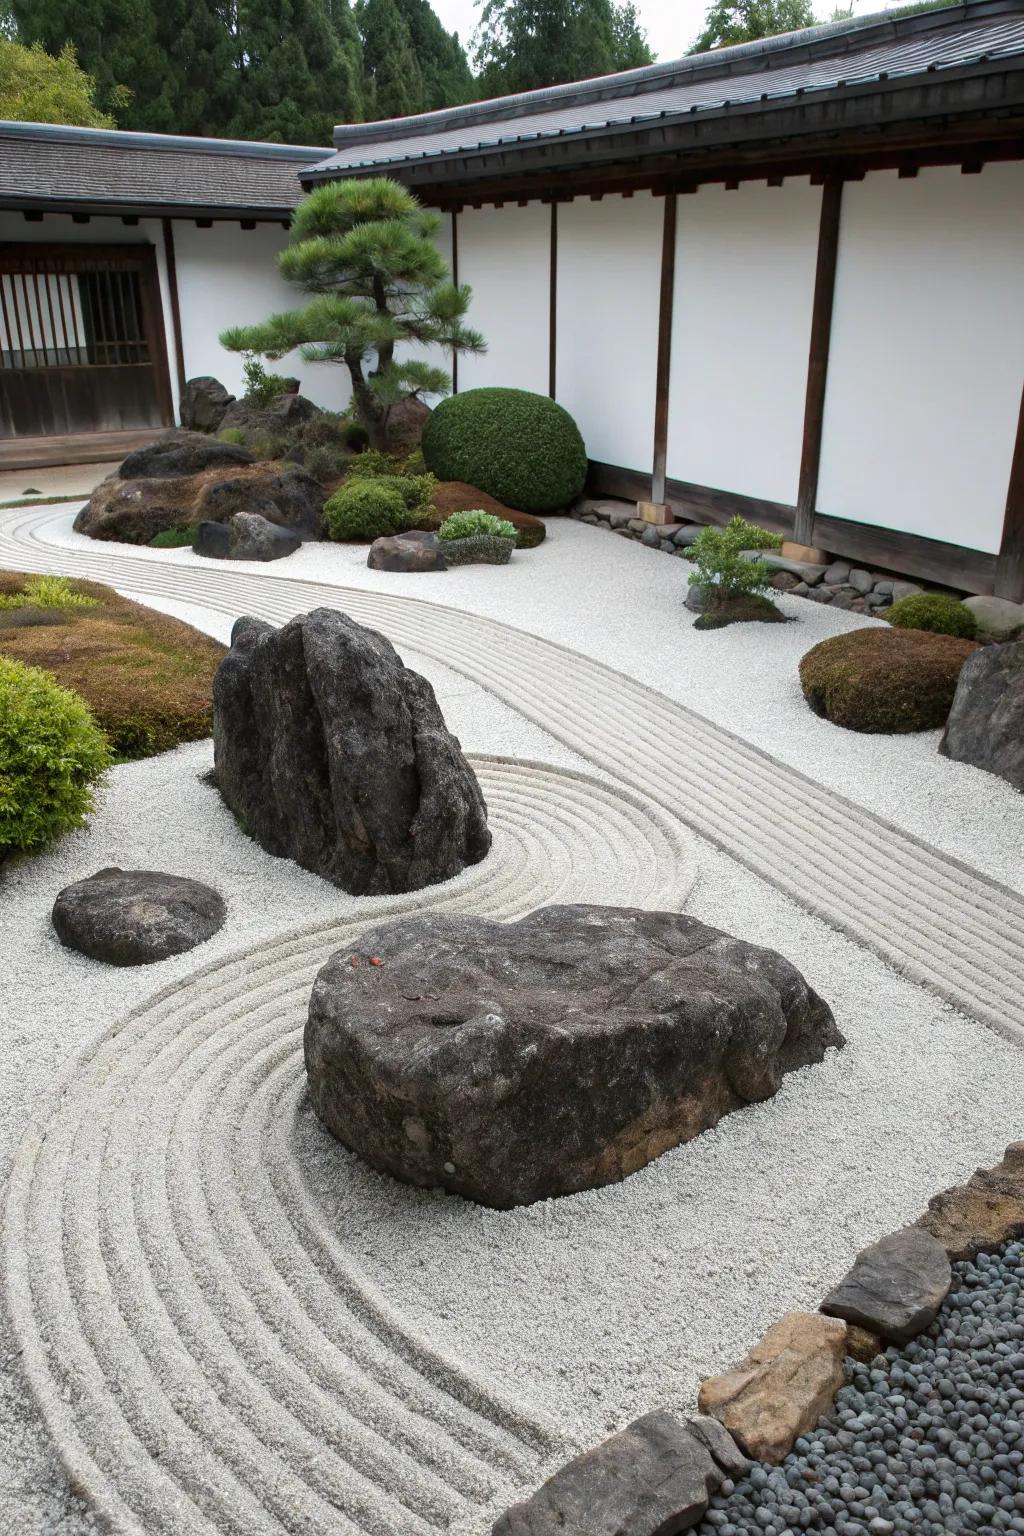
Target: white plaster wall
{"x":505,"y":257}
{"x":744,"y":288}
{"x":609,"y":274}
{"x":228,"y":276}
{"x":60,"y":228}
{"x":927,"y":354}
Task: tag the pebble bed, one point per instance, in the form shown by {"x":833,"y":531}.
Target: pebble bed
{"x":926,"y":1439}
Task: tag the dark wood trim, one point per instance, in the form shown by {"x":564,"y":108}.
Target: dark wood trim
{"x":817,"y":360}
{"x":553,"y":305}
{"x":172,"y":284}
{"x":1009,"y":580}
{"x":971,"y":570}
{"x":455,"y":280}
{"x":26,"y":256}
{"x":664,"y":363}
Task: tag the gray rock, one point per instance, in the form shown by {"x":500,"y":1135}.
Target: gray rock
{"x":721,"y":1445}
{"x":652,"y":1479}
{"x":862,"y":581}
{"x":332,"y":753}
{"x":896,"y":1286}
{"x":638,"y":526}
{"x":651,"y":537}
{"x":213,"y":540}
{"x":986,"y":723}
{"x":181,"y":453}
{"x":905,"y":589}
{"x":284,"y":414}
{"x":997,"y":617}
{"x":837,"y":572}
{"x":803,"y":570}
{"x":785,"y":581}
{"x":136,"y":916}
{"x":620,"y":520}
{"x":801,"y":589}
{"x":666,"y":546}
{"x":203,"y":404}
{"x":687,"y":533}
{"x":133,"y":511}
{"x":842,"y":600}
{"x":286,"y":496}
{"x":884,"y":587}
{"x":412,"y":551}
{"x":255,"y":537}
{"x":512,"y":1062}
{"x":697,"y":597}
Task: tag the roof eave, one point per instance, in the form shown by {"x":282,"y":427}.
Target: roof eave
{"x":133,"y":208}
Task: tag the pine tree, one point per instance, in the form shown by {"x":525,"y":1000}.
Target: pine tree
{"x":744,"y":21}
{"x":300,"y":73}
{"x":523,"y":44}
{"x":366,"y":253}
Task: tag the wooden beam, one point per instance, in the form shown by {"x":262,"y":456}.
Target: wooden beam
{"x":817,"y":360}
{"x":1009,"y":581}
{"x":553,"y":305}
{"x":664,"y":362}
{"x":172,"y":284}
{"x":455,"y":280}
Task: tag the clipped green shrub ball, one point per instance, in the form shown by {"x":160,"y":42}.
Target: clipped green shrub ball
{"x":934,"y":612}
{"x":884,"y":680}
{"x":366,"y":510}
{"x":521,"y":448}
{"x":51,"y":754}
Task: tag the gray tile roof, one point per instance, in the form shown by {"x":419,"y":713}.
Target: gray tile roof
{"x":42,"y":164}
{"x":844,"y":54}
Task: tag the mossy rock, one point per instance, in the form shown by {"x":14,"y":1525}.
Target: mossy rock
{"x":742,"y":608}
{"x":884,"y":681}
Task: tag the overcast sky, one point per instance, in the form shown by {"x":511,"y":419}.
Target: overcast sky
{"x":671,"y":25}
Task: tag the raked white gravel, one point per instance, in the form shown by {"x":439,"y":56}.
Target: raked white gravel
{"x":588,"y":1310}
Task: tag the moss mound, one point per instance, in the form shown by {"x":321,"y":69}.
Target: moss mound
{"x":451,"y":496}
{"x":884,"y":680}
{"x":934,"y":612}
{"x":739,"y":608}
{"x":522,"y":448}
{"x":147,"y":678}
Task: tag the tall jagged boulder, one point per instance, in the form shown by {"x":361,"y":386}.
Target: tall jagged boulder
{"x":986,"y":723}
{"x":331,"y":752}
{"x":203,"y":404}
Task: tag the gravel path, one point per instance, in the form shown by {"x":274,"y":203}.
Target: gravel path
{"x":924,"y":1441}
{"x":524,"y":1331}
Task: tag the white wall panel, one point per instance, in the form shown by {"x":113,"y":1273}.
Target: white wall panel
{"x":228,"y":276}
{"x":744,"y":288}
{"x":609,"y":275}
{"x":927,"y":354}
{"x":505,"y":257}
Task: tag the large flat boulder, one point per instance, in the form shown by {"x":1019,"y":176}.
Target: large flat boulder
{"x":136,"y":916}
{"x":986,"y":722}
{"x":332,"y":753}
{"x":895,"y":1287}
{"x":509,"y":1062}
{"x":652,"y":1479}
{"x":135,"y":511}
{"x":181,"y":453}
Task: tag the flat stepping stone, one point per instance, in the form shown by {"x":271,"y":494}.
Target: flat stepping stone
{"x":652,"y":1479}
{"x":136,"y":916}
{"x":895,"y":1287}
{"x":983,"y":1214}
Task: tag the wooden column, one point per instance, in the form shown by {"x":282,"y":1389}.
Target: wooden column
{"x":172,"y":283}
{"x":817,"y":361}
{"x":553,"y":304}
{"x":455,"y":280}
{"x":1009,"y":580}
{"x":664,"y":363}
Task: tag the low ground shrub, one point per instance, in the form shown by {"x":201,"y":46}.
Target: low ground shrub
{"x":884,"y":680}
{"x":47,"y":592}
{"x":181,"y":537}
{"x":477,"y":524}
{"x":366,"y":510}
{"x":522,"y":448}
{"x":52,"y":753}
{"x":147,"y":678}
{"x":934,"y":612}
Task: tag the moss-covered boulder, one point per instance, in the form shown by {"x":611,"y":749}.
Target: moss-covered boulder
{"x":884,"y":680}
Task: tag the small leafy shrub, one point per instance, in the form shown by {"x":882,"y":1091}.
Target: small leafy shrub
{"x":477,"y":524}
{"x":261,"y":387}
{"x":934,"y":612}
{"x":450,"y":496}
{"x":884,"y":680}
{"x":52,"y":752}
{"x":415,"y":490}
{"x":717,"y":554}
{"x":373,"y":463}
{"x":47,"y":592}
{"x":181,"y":537}
{"x":521,"y":448}
{"x":366,"y":510}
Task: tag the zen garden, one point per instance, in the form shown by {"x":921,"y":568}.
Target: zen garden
{"x":513,"y":963}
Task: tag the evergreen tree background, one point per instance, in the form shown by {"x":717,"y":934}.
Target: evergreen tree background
{"x":523,"y":44}
{"x":744,"y":21}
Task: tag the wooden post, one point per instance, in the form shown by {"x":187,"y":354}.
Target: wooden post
{"x":664,"y":364}
{"x":1009,"y":580}
{"x":553,"y":305}
{"x":172,"y":284}
{"x":455,"y":280}
{"x":817,"y":361}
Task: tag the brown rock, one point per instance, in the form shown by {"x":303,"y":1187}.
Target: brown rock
{"x":456,"y":496}
{"x":405,"y":424}
{"x":896,"y":1286}
{"x":135,"y":511}
{"x":862,"y":1344}
{"x":415,"y":551}
{"x":983,"y":1214}
{"x":782,"y":1387}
